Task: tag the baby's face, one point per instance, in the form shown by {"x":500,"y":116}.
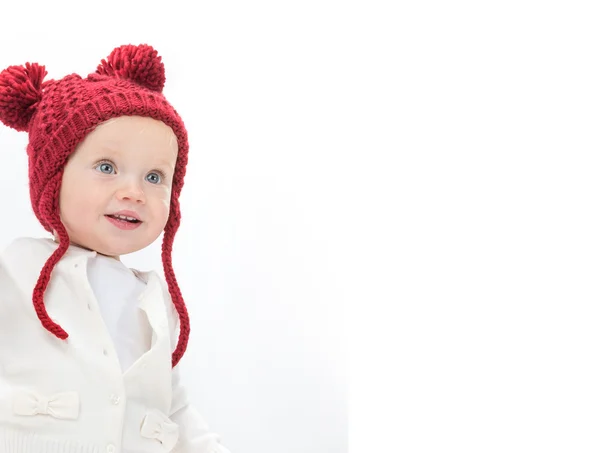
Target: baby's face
{"x":125,"y":164}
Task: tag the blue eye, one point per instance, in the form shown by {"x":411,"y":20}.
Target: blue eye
{"x":154,"y":178}
{"x":105,"y":168}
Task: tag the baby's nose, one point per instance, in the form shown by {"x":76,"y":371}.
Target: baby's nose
{"x":131,"y":192}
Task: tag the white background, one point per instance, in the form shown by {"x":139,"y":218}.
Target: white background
{"x":273,"y":205}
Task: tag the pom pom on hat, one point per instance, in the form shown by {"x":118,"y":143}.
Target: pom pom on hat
{"x":140,"y":64}
{"x":20,"y":93}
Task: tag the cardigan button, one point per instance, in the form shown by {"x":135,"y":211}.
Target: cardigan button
{"x":110,"y":448}
{"x":115,"y":399}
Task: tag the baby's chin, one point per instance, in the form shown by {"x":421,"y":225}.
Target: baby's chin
{"x":116,"y":253}
{"x":110,"y":250}
{"x":111,"y":245}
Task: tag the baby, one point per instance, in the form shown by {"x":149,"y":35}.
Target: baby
{"x":89,"y":347}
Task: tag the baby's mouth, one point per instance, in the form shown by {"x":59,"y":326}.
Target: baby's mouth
{"x":124,"y":218}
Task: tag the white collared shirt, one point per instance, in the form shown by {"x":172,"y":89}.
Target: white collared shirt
{"x":97,"y":391}
{"x":117,"y":290}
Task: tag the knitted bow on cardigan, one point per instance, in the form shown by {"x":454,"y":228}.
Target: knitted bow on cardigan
{"x":61,"y":405}
{"x":157,"y":425}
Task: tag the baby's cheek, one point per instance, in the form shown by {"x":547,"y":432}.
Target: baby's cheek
{"x":164,"y":198}
{"x":73,"y":209}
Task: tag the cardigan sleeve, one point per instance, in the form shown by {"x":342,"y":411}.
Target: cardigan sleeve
{"x":194,"y":434}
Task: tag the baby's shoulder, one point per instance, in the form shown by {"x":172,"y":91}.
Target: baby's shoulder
{"x":171,"y":310}
{"x":22,"y":260}
{"x":26,"y":249}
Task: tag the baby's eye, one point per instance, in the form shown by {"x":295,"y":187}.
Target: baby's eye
{"x":154,"y":178}
{"x":105,"y":168}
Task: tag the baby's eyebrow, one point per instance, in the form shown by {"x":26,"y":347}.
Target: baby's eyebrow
{"x":165,"y":164}
{"x":107,"y":148}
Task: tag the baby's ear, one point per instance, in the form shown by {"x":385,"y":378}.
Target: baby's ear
{"x":20,"y":94}
{"x":140,"y":64}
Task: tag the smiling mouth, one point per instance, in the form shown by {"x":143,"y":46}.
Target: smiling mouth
{"x":124,"y":218}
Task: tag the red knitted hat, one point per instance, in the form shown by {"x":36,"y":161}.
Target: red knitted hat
{"x":58,"y":114}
